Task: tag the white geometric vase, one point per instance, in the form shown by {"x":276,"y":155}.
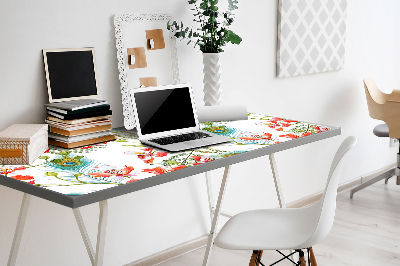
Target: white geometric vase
{"x":212,"y":75}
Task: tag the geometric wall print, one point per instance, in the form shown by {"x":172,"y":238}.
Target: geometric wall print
{"x":311,"y":36}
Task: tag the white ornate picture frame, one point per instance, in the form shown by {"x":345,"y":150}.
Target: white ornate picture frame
{"x":130,"y":32}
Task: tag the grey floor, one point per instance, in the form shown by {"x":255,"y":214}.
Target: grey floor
{"x":366,"y":232}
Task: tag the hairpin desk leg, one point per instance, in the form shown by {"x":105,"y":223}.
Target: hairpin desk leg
{"x":101,"y":233}
{"x":277,"y":182}
{"x":85,"y":236}
{"x":215,"y":217}
{"x":95,"y":258}
{"x":210,"y":195}
{"x":19,"y":229}
{"x":278,"y":187}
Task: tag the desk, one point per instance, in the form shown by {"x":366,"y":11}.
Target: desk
{"x":91,"y":174}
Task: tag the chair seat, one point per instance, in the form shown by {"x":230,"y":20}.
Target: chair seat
{"x":269,"y":229}
{"x":381,"y":130}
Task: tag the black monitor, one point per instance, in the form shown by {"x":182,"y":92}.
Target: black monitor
{"x":70,"y":74}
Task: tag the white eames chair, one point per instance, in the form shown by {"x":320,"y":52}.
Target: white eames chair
{"x":287,"y":229}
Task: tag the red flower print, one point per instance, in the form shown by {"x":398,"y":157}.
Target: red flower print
{"x":178,"y":167}
{"x":291,"y":121}
{"x":6,"y":171}
{"x":160,"y":154}
{"x":276,"y":119}
{"x":29,"y":179}
{"x":151,"y":160}
{"x":47,"y":151}
{"x":306,"y":134}
{"x":148,"y":155}
{"x":86,"y":147}
{"x":156,"y":170}
{"x":279,"y":129}
{"x":285,"y":125}
{"x":292,"y":136}
{"x":266,"y":136}
{"x":197,"y":158}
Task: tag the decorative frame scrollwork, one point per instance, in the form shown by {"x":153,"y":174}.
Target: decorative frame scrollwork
{"x":119,"y":20}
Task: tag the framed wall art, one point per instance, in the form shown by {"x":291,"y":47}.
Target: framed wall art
{"x":311,"y":36}
{"x":146,"y":53}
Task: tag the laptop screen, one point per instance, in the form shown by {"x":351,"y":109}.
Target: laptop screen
{"x":164,"y":110}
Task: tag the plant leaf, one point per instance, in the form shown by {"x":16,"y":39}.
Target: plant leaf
{"x":233,"y":38}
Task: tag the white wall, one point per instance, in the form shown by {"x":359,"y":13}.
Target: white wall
{"x":146,"y":222}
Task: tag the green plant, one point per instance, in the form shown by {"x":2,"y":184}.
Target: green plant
{"x":214,"y":31}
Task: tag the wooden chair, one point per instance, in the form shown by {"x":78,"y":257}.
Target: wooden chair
{"x":287,"y":229}
{"x":385,"y":107}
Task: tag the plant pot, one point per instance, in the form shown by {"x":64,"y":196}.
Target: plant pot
{"x":211,"y":80}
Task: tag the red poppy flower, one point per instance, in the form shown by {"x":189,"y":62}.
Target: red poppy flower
{"x":292,"y":136}
{"x":29,"y":179}
{"x":151,"y":160}
{"x":156,"y":170}
{"x":178,"y":167}
{"x":147,"y":149}
{"x":266,"y":135}
{"x":161,"y":154}
{"x":86,"y":147}
{"x":306,"y":134}
{"x":197,"y":158}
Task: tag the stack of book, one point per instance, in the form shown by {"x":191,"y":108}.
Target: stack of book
{"x":79,"y":123}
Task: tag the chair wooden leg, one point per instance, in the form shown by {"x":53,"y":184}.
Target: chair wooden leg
{"x":313,"y":260}
{"x":255,"y":258}
{"x":302,"y":259}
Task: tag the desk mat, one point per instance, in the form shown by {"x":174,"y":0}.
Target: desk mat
{"x":93,"y":168}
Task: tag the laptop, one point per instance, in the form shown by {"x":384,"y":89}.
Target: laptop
{"x":166,"y":118}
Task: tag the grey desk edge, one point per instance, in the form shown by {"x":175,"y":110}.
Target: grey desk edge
{"x":82,"y":200}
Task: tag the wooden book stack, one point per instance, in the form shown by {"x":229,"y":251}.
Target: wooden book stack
{"x":79,"y":123}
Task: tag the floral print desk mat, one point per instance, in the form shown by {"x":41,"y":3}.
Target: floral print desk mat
{"x":92,"y":168}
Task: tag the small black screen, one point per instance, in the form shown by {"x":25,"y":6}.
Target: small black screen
{"x":71,"y":74}
{"x":164,"y":110}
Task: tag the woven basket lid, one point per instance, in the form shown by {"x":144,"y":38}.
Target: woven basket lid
{"x":21,"y":132}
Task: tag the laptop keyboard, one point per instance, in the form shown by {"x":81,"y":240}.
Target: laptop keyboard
{"x":180,"y":138}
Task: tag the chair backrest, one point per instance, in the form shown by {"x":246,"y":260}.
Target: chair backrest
{"x":327,"y":203}
{"x":382,"y":106}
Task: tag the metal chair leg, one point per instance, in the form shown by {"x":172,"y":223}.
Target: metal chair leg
{"x":384,"y":175}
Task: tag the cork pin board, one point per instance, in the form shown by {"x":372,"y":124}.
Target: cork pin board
{"x":134,"y":31}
